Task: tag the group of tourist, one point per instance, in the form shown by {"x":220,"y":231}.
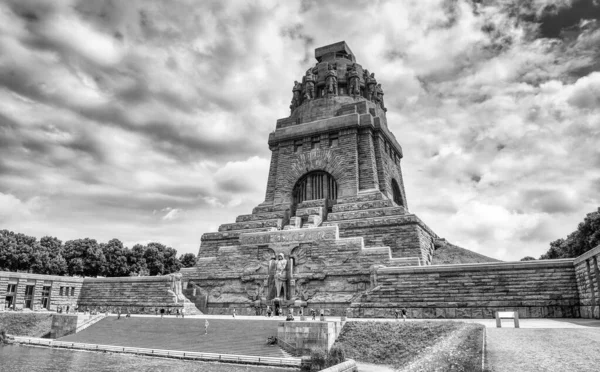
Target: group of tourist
{"x":169,"y":311}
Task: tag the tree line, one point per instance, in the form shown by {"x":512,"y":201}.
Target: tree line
{"x":586,"y":237}
{"x":87,"y":257}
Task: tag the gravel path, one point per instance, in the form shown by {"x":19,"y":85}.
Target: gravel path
{"x":533,"y":350}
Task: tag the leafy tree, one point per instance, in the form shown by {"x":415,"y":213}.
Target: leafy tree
{"x":136,"y":261}
{"x":84,"y":257}
{"x":48,"y":257}
{"x":187,"y":260}
{"x":527,"y":258}
{"x":115,"y":255}
{"x":586,"y":237}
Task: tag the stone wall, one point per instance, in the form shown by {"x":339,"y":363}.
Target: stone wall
{"x":536,"y":289}
{"x":304,"y":335}
{"x":63,"y":325}
{"x":64,"y":290}
{"x":137,"y":294}
{"x":588,"y":282}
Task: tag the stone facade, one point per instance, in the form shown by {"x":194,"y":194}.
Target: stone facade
{"x":587,"y":270}
{"x":536,"y":289}
{"x":49,"y":292}
{"x":334,"y":206}
{"x":21,"y":291}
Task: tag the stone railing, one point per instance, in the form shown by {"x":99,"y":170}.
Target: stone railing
{"x":188,"y":355}
{"x":347,"y":366}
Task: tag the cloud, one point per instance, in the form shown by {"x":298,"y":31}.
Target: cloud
{"x":149,"y":121}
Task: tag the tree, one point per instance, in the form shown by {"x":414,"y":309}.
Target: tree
{"x":48,"y":257}
{"x":84,"y":257}
{"x":527,"y":258}
{"x":115,"y":255}
{"x":136,"y":261}
{"x":586,"y":237}
{"x":187,"y":260}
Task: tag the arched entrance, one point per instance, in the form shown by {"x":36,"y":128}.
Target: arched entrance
{"x":315,"y":185}
{"x":396,"y":193}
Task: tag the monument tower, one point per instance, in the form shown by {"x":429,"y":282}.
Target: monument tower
{"x":335,"y":206}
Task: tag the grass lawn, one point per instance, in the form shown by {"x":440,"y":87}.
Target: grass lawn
{"x":416,"y":346}
{"x":26,"y":324}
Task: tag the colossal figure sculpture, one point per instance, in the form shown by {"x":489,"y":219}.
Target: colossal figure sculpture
{"x":296,"y":95}
{"x":281,"y":277}
{"x":353,"y":81}
{"x":331,"y":83}
{"x":309,"y":84}
{"x":371,"y":87}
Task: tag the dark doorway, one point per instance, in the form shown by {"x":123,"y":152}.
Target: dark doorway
{"x":276,"y":306}
{"x":313,"y":186}
{"x":10,"y":299}
{"x":396,"y":193}
{"x":46,"y":297}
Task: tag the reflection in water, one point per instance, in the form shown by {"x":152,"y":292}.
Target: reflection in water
{"x":33,"y":359}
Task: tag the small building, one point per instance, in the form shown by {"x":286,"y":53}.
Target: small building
{"x":24,"y":291}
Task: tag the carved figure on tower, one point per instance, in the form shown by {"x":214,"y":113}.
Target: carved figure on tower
{"x":281,"y":276}
{"x":296,"y":97}
{"x":379,"y":96}
{"x":353,"y":81}
{"x":331,"y":81}
{"x":309,"y":85}
{"x":371,"y":87}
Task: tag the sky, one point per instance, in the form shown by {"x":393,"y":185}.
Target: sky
{"x":148,"y":120}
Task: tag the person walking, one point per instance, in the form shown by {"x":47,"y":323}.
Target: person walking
{"x":177,"y":313}
{"x":396,"y":314}
{"x":404,"y":314}
{"x":118,"y":313}
{"x":183,"y":313}
{"x":206,"y":324}
{"x":234,"y":313}
{"x":313,"y":313}
{"x":162,"y":312}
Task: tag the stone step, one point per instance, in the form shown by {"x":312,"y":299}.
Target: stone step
{"x":405,"y":261}
{"x":270,"y":208}
{"x":375,"y":195}
{"x":263,"y":216}
{"x":315,"y":220}
{"x":369,"y":213}
{"x":370,"y":204}
{"x":276,"y":223}
{"x":233,"y":234}
{"x":306,"y":212}
{"x":316,"y":203}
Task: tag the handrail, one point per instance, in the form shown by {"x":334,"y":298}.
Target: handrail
{"x":233,"y":358}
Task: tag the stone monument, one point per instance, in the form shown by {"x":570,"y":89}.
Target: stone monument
{"x":335,"y":206}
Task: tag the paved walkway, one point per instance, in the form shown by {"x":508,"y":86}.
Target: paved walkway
{"x":574,"y":349}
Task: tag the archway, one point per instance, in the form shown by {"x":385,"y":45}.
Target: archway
{"x":315,"y":185}
{"x":396,"y":193}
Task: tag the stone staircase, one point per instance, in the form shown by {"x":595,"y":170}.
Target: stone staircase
{"x":225,"y":336}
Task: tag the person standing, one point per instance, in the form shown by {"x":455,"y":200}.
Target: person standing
{"x":269,"y":311}
{"x":234,"y":313}
{"x":313,"y":313}
{"x":404,"y":314}
{"x":396,"y":314}
{"x":183,"y":313}
{"x":206,"y":324}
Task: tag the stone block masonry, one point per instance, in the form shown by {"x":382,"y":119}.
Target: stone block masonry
{"x":587,"y":271}
{"x":536,"y":289}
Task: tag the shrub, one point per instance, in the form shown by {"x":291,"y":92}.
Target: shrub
{"x":318,"y":359}
{"x":336,"y":356}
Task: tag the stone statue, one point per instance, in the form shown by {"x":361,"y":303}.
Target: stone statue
{"x":281,"y":276}
{"x":296,"y":97}
{"x":353,"y":81}
{"x":309,"y":85}
{"x":371,"y":88}
{"x":379,"y":96}
{"x":331,"y":83}
{"x":175,"y":288}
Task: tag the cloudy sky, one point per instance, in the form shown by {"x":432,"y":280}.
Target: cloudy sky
{"x":148,"y":120}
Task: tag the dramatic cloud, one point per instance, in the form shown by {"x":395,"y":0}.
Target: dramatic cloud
{"x":146,"y":120}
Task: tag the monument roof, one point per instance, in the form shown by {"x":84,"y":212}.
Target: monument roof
{"x":334,"y":50}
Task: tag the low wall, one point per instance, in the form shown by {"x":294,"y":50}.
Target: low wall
{"x":63,"y":325}
{"x":347,"y":366}
{"x":588,"y":282}
{"x":536,"y":289}
{"x":144,"y":294}
{"x":304,"y":335}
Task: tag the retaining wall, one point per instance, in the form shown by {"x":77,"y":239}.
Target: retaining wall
{"x":536,"y":289}
{"x":587,"y":272}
